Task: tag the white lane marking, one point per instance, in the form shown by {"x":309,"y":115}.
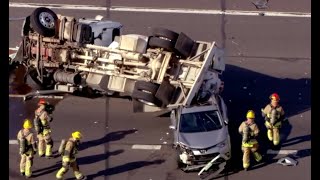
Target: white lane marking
{"x":146,"y":147}
{"x":16,"y":19}
{"x":158,"y":10}
{"x":282,"y":152}
{"x":37,"y":96}
{"x":13,"y":142}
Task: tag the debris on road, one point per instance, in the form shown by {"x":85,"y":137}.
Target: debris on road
{"x":287,"y":161}
{"x":260,"y":4}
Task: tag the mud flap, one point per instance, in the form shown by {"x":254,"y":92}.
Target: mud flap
{"x":165,"y":92}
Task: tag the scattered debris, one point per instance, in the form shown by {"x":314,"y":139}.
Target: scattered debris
{"x":287,"y":161}
{"x":107,"y":127}
{"x":167,"y":133}
{"x":249,"y":94}
{"x":260,"y":4}
{"x":161,"y":139}
{"x":165,"y":142}
{"x":261,"y":14}
{"x":301,"y":116}
{"x":95,"y":122}
{"x":235,"y":43}
{"x":244,"y":87}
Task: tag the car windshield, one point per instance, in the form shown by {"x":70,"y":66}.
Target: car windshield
{"x":200,"y":122}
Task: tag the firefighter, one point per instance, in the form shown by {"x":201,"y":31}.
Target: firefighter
{"x":69,"y":156}
{"x":27,"y":148}
{"x":249,"y":131}
{"x":274,"y":115}
{"x":42,"y":126}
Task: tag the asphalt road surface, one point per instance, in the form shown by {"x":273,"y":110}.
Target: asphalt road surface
{"x":263,"y":54}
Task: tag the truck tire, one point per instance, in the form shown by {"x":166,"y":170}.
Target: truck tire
{"x":162,"y":32}
{"x":145,"y":97}
{"x":146,"y":86}
{"x":161,"y":43}
{"x":44,"y":21}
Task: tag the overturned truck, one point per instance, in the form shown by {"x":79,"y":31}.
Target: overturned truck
{"x":164,"y":70}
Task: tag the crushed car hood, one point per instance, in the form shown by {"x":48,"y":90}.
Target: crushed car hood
{"x":203,"y":139}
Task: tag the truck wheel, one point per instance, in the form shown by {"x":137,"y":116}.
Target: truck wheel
{"x":161,"y":43}
{"x":162,"y":32}
{"x":145,"y":97}
{"x":43,"y":21}
{"x":146,"y":86}
{"x":48,"y":82}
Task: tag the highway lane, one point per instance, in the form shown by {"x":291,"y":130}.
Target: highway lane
{"x":278,"y":5}
{"x":264,"y":54}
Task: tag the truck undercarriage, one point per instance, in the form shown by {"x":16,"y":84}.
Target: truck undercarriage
{"x":163,"y":70}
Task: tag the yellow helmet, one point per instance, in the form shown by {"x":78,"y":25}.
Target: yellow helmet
{"x":27,"y":124}
{"x":77,"y":135}
{"x":250,"y":114}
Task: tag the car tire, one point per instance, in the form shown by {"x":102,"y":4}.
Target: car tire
{"x":166,"y":33}
{"x":157,"y":42}
{"x":44,"y":21}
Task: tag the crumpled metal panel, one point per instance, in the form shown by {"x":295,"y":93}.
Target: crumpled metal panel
{"x":287,"y":161}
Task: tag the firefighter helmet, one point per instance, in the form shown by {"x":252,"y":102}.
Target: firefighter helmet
{"x":77,"y":135}
{"x":274,"y":96}
{"x":250,"y":114}
{"x":27,"y":124}
{"x":42,"y":101}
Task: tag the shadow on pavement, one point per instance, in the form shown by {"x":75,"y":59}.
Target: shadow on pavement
{"x":246,"y":89}
{"x":296,"y":140}
{"x":113,"y":136}
{"x":124,"y":168}
{"x":47,"y":170}
{"x":98,"y":157}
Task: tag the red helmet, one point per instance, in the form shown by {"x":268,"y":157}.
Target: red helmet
{"x":274,"y":96}
{"x":42,"y":101}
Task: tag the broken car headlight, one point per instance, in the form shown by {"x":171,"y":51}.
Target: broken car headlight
{"x":186,"y":149}
{"x":222,"y":144}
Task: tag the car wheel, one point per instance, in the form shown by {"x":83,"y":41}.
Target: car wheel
{"x":43,"y":21}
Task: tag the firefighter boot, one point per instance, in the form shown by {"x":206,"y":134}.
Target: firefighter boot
{"x":270,"y":135}
{"x":23,"y":165}
{"x":276,"y":136}
{"x":48,"y":151}
{"x":246,"y":158}
{"x":28,"y":171}
{"x":61,"y":172}
{"x":257,"y":156}
{"x":41,"y":145}
{"x":79,"y":175}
